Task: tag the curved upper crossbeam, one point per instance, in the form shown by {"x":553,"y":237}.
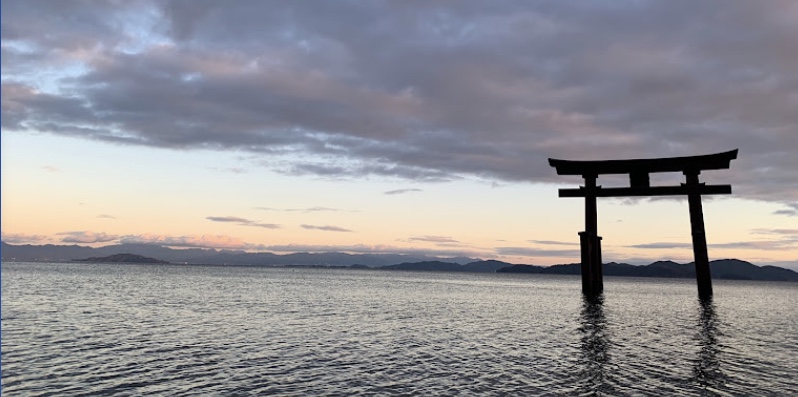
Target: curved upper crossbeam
{"x":716,"y":161}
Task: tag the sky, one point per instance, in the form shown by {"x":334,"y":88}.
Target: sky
{"x":419,"y":127}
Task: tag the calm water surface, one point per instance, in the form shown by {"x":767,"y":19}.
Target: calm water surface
{"x":134,"y":330}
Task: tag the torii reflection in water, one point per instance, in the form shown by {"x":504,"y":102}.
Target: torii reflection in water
{"x":706,"y":369}
{"x":594,"y":348}
{"x":597,"y":371}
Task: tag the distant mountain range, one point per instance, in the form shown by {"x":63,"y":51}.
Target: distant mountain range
{"x":68,"y":253}
{"x":731,"y":269}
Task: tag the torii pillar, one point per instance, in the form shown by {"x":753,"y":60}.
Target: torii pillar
{"x":590,"y":241}
{"x":700,"y":254}
{"x":639,"y":185}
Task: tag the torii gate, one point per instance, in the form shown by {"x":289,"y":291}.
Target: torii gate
{"x":639,"y":185}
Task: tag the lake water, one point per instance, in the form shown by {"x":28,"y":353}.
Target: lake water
{"x":141,"y":330}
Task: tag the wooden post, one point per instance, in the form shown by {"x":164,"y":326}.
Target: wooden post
{"x":592,"y":283}
{"x":591,"y":217}
{"x":598,"y":272}
{"x":702,"y":274}
{"x":586,"y":269}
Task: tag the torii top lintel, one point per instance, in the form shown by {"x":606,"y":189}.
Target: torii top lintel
{"x":639,"y":170}
{"x":716,"y":161}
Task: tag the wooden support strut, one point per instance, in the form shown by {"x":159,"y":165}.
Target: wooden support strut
{"x":646,"y":191}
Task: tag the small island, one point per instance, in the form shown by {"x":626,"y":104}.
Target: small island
{"x":121,"y":258}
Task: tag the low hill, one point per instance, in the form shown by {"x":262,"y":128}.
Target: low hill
{"x":490,"y":266}
{"x":121,"y":258}
{"x":729,"y":269}
{"x":426,"y":266}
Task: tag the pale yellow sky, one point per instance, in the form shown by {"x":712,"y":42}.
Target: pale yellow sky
{"x":55,"y":189}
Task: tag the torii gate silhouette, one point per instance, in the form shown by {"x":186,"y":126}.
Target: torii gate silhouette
{"x":639,"y":185}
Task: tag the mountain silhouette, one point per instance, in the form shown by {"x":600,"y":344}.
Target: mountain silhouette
{"x":67,"y":253}
{"x":121,"y":258}
{"x":730,"y":269}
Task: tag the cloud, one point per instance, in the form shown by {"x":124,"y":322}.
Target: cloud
{"x":231,"y":219}
{"x":787,"y":239}
{"x":106,"y":216}
{"x":228,"y":242}
{"x":50,"y":168}
{"x":662,"y":245}
{"x":326,"y":228}
{"x":537,"y":252}
{"x":191,"y":241}
{"x":265,"y":225}
{"x":550,"y":242}
{"x":20,"y":238}
{"x":767,"y":245}
{"x":317,"y":209}
{"x":233,"y":170}
{"x":242,"y":222}
{"x":336,"y":168}
{"x":402,"y":191}
{"x":788,"y":232}
{"x":185,"y":241}
{"x":86,"y":237}
{"x":434,"y":239}
{"x":375,"y":249}
{"x":417,"y":91}
{"x":791,"y":210}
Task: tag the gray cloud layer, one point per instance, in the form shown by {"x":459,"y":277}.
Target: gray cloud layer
{"x":791,"y":210}
{"x":417,"y":90}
